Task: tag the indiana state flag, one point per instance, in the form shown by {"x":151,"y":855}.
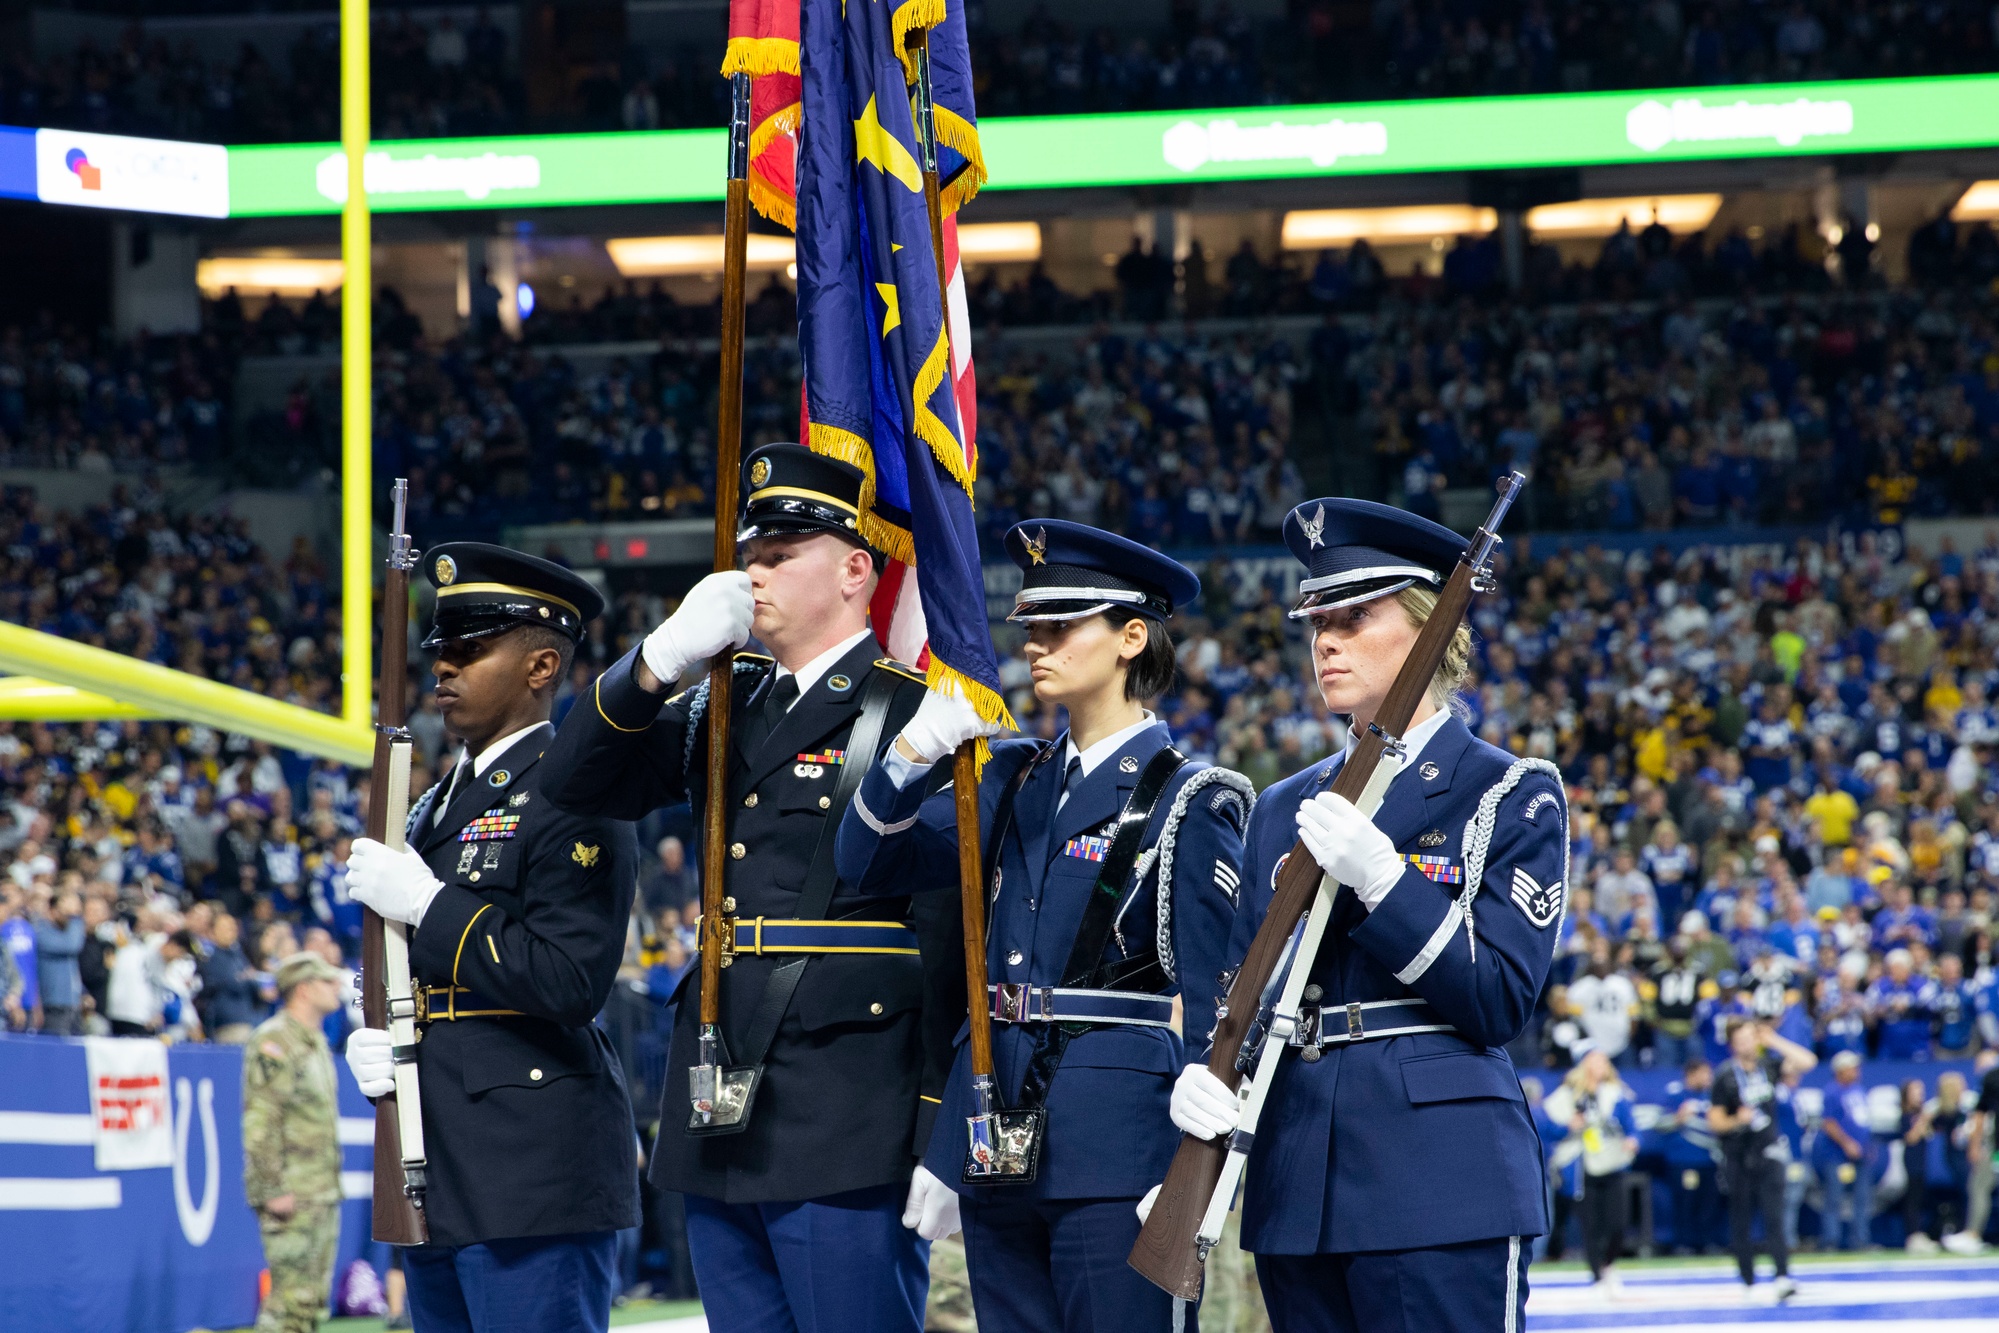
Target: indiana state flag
{"x":872,"y":333}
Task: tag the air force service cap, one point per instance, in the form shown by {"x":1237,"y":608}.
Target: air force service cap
{"x":1070,"y":570}
{"x":484,"y":590}
{"x":791,"y":490}
{"x":1357,"y":550}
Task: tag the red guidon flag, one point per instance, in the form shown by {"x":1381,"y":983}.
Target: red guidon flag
{"x":763,"y":43}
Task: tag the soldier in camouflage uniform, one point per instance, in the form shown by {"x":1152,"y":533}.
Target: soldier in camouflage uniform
{"x":291,"y":1144}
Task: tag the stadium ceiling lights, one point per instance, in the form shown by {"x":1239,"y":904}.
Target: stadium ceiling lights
{"x":1980,"y":203}
{"x":267,"y":275}
{"x":1319,"y":228}
{"x":681,"y":256}
{"x":1683,"y":213}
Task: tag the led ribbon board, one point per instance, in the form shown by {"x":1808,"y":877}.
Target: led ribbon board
{"x":1144,"y":148}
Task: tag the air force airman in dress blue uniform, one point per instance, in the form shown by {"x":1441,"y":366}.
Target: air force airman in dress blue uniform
{"x":1395,"y":1180}
{"x":1049,"y":1254}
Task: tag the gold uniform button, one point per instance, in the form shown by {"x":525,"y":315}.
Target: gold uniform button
{"x":825,"y":803}
{"x":750,"y":801}
{"x":737,"y":851}
{"x":535,"y":1074}
{"x":475,"y":877}
{"x":875,"y":1008}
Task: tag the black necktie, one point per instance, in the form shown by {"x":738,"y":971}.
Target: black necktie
{"x":462,"y":772}
{"x":778,"y":699}
{"x":1072,"y":778}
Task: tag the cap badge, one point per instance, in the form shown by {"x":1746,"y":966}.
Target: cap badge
{"x":447,"y":570}
{"x":1128,"y":764}
{"x":760,"y":472}
{"x":1037,"y":546}
{"x":500,"y":777}
{"x":1314,"y":528}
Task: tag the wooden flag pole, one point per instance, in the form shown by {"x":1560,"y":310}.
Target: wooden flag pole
{"x":717,"y":924}
{"x":964,"y":764}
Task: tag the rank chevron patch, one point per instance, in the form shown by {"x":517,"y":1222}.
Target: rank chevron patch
{"x":1539,"y":903}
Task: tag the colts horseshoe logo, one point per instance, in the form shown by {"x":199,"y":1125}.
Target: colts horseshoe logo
{"x":197,"y":1222}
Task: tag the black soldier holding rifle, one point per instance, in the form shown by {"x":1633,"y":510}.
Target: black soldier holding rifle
{"x":519,"y":913}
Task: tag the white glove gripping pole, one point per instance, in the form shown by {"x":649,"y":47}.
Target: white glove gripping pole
{"x":1284,"y":1018}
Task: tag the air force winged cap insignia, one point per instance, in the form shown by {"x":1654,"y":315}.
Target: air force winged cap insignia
{"x":1037,"y":546}
{"x":1314,"y":527}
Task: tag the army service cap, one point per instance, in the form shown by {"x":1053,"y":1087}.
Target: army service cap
{"x":484,"y":590}
{"x":791,"y":491}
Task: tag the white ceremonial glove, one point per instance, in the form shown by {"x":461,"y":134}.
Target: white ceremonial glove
{"x":1203,"y":1105}
{"x":932,"y":1210}
{"x":368,"y":1057}
{"x":1348,"y":846}
{"x":714,"y":617}
{"x":398,"y":885}
{"x":1145,"y":1204}
{"x":942,"y":723}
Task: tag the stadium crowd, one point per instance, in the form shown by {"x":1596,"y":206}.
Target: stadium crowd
{"x":436,"y":75}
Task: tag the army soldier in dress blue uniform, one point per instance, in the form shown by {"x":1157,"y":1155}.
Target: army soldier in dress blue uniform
{"x":1395,"y":1180}
{"x":1074,"y":958}
{"x":519,"y":912}
{"x":804,"y":1218}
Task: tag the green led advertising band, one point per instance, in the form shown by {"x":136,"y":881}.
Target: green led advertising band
{"x":1150,"y":148}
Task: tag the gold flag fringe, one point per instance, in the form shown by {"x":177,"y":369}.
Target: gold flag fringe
{"x":760,"y":55}
{"x":913,"y":14}
{"x":892,"y":541}
{"x":959,"y":134}
{"x":930,"y":428}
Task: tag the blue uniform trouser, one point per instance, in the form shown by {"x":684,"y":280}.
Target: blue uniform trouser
{"x":533,"y":1284}
{"x":841,"y":1264}
{"x":1481,"y":1284}
{"x":1060,"y":1266}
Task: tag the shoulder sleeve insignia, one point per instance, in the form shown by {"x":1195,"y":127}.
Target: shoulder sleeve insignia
{"x":1539,"y":903}
{"x":1540,"y":801}
{"x":271,"y":1049}
{"x":585,"y":854}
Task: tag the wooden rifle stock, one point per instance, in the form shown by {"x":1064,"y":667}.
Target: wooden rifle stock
{"x":1168,"y":1253}
{"x":397,"y":1218}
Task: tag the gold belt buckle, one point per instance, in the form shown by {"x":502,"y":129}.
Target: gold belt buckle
{"x":420,"y":996}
